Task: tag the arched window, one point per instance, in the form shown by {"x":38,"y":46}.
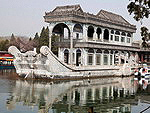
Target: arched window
{"x":106,"y":34}
{"x":129,"y":38}
{"x":98,"y":51}
{"x":106,"y":53}
{"x":116,"y":52}
{"x":98,"y":31}
{"x":112,"y":31}
{"x":66,"y":56}
{"x":78,"y":57}
{"x":66,"y":51}
{"x":78,"y":28}
{"x":62,"y":30}
{"x":98,"y":57}
{"x":78,"y":51}
{"x":117,"y":33}
{"x":117,"y":37}
{"x":123,"y":34}
{"x":111,"y":51}
{"x":90,"y":51}
{"x":90,"y":31}
{"x":129,"y":34}
{"x":90,"y":56}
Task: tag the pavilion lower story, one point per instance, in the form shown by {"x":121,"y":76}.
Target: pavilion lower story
{"x":96,"y":56}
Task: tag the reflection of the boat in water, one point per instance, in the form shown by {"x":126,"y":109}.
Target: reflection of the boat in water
{"x":106,"y":95}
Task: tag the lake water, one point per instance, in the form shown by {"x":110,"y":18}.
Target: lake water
{"x":102,"y":95}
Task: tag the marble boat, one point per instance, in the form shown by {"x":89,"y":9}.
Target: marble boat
{"x":88,"y":46}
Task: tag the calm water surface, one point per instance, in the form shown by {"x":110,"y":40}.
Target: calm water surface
{"x":105,"y":95}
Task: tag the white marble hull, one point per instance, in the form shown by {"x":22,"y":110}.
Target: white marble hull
{"x":47,"y":65}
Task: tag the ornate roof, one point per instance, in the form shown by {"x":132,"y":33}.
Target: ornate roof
{"x":75,"y":13}
{"x":112,"y":17}
{"x":68,"y":8}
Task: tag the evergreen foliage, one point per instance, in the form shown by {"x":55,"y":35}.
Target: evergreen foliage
{"x":4,"y":44}
{"x":30,"y":39}
{"x":12,"y":37}
{"x":36,"y":36}
{"x":44,"y":37}
{"x":54,"y":48}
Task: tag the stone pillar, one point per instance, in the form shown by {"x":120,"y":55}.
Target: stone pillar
{"x":107,"y":92}
{"x":113,"y":57}
{"x":63,"y":54}
{"x":118,"y":92}
{"x":119,"y":58}
{"x":94,"y":58}
{"x":93,"y":94}
{"x":75,"y":55}
{"x":50,"y":45}
{"x":101,"y":92}
{"x":73,"y":99}
{"x":112,"y":92}
{"x":83,"y":96}
{"x":109,"y":57}
{"x":50,"y":37}
{"x":71,"y":44}
{"x":51,"y":26}
{"x":119,"y":38}
{"x":85,"y":37}
{"x":59,"y":53}
{"x":86,"y":56}
{"x":101,"y":35}
{"x":113,"y":37}
{"x":83,"y":56}
{"x":95,"y":34}
{"x":71,"y":49}
{"x":102,"y":58}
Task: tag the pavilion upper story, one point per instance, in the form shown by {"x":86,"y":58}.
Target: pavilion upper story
{"x":104,"y":27}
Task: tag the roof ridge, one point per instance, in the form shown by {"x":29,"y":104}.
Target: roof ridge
{"x":65,"y":6}
{"x":76,"y":7}
{"x":103,"y":14}
{"x":111,"y":12}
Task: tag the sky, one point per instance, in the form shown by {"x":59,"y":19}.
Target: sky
{"x":25,"y":17}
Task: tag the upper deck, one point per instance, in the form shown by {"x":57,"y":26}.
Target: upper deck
{"x":74,"y":13}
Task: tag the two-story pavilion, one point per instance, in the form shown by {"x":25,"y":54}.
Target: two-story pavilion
{"x":88,"y":39}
